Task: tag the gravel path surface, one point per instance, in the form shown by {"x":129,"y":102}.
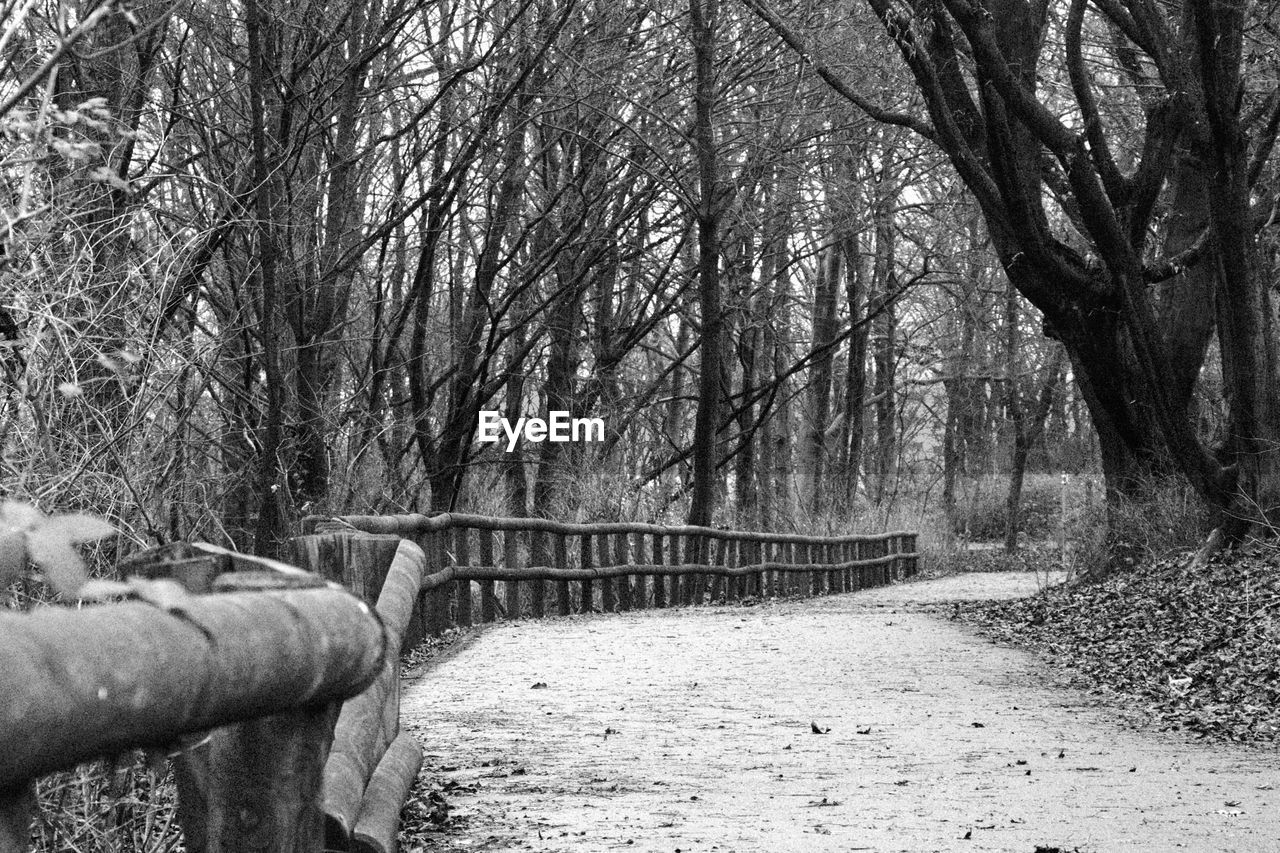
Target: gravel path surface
{"x":692,"y":730}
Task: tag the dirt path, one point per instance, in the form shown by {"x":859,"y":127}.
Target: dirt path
{"x":690,"y":730}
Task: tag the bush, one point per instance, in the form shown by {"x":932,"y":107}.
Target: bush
{"x":1168,"y":518}
{"x":981,"y":513}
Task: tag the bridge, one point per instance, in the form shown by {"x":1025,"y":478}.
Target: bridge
{"x":841,"y":710}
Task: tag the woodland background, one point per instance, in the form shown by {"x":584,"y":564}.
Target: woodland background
{"x":267,"y":259}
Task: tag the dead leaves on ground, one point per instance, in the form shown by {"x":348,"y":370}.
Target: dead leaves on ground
{"x":1201,"y":647}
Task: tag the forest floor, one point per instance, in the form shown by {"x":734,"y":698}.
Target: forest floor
{"x":874,"y":721}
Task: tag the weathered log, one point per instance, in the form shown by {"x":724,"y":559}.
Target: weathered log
{"x":17,"y":807}
{"x":462,"y":590}
{"x":400,"y":588}
{"x":488,"y":604}
{"x":564,"y":605}
{"x":103,"y":679}
{"x":415,"y":524}
{"x":361,"y":734}
{"x":511,"y":560}
{"x":623,"y":584}
{"x":256,"y":785}
{"x":388,"y":788}
{"x":538,"y":556}
{"x":586,"y":599}
{"x":608,"y":590}
{"x":659,"y":581}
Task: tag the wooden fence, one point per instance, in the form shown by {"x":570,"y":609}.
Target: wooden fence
{"x":262,"y":653}
{"x":454,"y":570}
{"x":256,"y":651}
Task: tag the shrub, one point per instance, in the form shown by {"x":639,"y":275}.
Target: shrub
{"x":982,"y":511}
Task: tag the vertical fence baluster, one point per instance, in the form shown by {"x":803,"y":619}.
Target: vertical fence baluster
{"x":462,"y":559}
{"x":693,"y":556}
{"x":539,"y":557}
{"x":640,"y":600}
{"x":511,"y":560}
{"x":620,"y":558}
{"x":715,"y":581}
{"x":586,"y":600}
{"x":488,"y":602}
{"x":659,"y":580}
{"x":675,"y":547}
{"x":564,"y":606}
{"x":17,"y":808}
{"x":608,"y":589}
{"x":734,"y":581}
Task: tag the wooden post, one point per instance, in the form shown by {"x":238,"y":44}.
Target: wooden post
{"x":462,"y":588}
{"x":17,"y":807}
{"x":676,"y":556}
{"x":586,"y":599}
{"x":511,"y":560}
{"x":659,"y":581}
{"x":608,"y":590}
{"x":564,"y":605}
{"x":815,"y":576}
{"x":715,"y":582}
{"x":733,"y":583}
{"x":538,"y":557}
{"x":257,"y":785}
{"x":694,"y":552}
{"x":640,"y":596}
{"x":488,"y":603}
{"x":760,"y":553}
{"x":433,"y":546}
{"x":622,"y":558}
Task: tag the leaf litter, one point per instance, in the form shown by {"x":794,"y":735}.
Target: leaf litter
{"x":1199,"y":648}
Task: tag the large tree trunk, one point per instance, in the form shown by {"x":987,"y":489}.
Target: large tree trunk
{"x":829,"y":270}
{"x":703,"y":16}
{"x":855,"y":389}
{"x":884,"y":350}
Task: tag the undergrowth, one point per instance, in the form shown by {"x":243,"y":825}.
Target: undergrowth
{"x":105,"y":807}
{"x":1198,"y":649}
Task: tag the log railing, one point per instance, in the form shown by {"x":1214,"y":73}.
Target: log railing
{"x":452,"y":570}
{"x":258,"y":652}
{"x":552,"y":568}
{"x":262,"y":654}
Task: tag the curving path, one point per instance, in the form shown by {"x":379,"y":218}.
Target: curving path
{"x":691,"y":730}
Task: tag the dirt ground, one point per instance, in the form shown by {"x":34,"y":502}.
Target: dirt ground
{"x":693,"y":730}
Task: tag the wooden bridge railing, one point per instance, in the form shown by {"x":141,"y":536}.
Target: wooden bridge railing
{"x":452,"y":570}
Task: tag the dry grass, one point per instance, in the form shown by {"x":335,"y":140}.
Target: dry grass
{"x":107,"y":808}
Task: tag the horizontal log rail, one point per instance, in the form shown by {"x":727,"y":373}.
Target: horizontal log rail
{"x":414,"y":524}
{"x":533,"y":573}
{"x":263,"y":660}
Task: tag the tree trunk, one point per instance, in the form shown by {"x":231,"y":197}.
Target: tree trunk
{"x":703,"y":15}
{"x":824,"y":332}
